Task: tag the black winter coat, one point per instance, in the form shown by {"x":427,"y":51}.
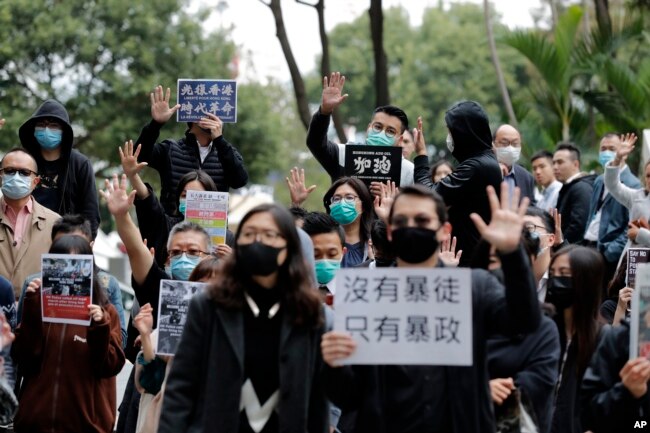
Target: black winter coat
{"x":76,"y":191}
{"x":175,"y":158}
{"x":464,"y":189}
{"x":573,"y":204}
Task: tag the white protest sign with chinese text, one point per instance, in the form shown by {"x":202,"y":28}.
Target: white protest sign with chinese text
{"x":416,"y":316}
{"x":198,"y":97}
{"x":209,"y":209}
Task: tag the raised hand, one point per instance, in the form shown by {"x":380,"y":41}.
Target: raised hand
{"x":143,"y":322}
{"x":625,"y":148}
{"x":504,"y":230}
{"x":129,"y":159}
{"x":297,"y":189}
{"x":332,"y":93}
{"x":116,"y":197}
{"x":160,"y":110}
{"x":213,"y":124}
{"x":448,"y":253}
{"x":557,"y":219}
{"x":384,"y":200}
{"x":418,"y":139}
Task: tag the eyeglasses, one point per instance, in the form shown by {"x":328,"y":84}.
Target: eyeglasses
{"x":348,"y":198}
{"x":25,"y":172}
{"x":265,"y":236}
{"x":506,"y":143}
{"x":390,"y":131}
{"x":534,"y":228}
{"x":44,"y":123}
{"x":192,"y":253}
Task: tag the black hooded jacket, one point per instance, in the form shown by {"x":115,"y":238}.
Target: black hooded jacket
{"x":68,"y":184}
{"x":573,"y":204}
{"x":464,"y":189}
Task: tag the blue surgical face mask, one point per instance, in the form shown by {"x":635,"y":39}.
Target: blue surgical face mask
{"x":16,"y":187}
{"x":326,"y":270}
{"x":379,"y":138}
{"x":182,"y":206}
{"x":181,"y":267}
{"x":343,"y":212}
{"x":48,"y":138}
{"x":606,"y":156}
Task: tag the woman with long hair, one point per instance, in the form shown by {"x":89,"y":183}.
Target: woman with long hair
{"x":349,"y":202}
{"x":68,"y":370}
{"x":249,"y":358}
{"x":573,"y":289}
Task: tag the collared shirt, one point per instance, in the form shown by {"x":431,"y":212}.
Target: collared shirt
{"x":18,"y":221}
{"x":574,"y":177}
{"x":548,"y":197}
{"x":541,"y":287}
{"x":509,"y":179}
{"x":593,"y":229}
{"x":204,"y":150}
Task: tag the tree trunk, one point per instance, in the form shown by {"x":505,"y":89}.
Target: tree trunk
{"x":505,"y":95}
{"x":381,"y":62}
{"x":325,"y":68}
{"x":296,"y":78}
{"x":602,"y":16}
{"x":554,"y":13}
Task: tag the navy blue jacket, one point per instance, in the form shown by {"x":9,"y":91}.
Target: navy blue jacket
{"x":612,"y":234}
{"x":524,"y":180}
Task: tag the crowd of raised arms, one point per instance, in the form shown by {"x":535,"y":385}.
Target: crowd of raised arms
{"x":259,"y":352}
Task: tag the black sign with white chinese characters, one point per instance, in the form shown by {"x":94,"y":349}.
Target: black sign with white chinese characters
{"x":373,"y":163}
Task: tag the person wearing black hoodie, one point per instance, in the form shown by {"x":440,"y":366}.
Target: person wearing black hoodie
{"x":67,"y":183}
{"x":470,"y":142}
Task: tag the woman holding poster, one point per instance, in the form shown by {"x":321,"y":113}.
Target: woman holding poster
{"x":69,"y":369}
{"x":249,"y":358}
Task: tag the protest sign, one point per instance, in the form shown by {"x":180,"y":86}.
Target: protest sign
{"x":640,"y":315}
{"x":209,"y":209}
{"x":415,"y":316}
{"x":635,"y":256}
{"x":66,"y":290}
{"x":173,"y":303}
{"x":373,"y":163}
{"x":198,"y":97}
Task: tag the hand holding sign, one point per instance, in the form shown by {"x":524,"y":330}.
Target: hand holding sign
{"x":635,"y":375}
{"x":213,"y":124}
{"x":336,"y":346}
{"x":95,"y":312}
{"x":504,"y":230}
{"x":160,"y":110}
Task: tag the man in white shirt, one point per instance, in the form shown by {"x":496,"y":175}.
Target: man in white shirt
{"x":549,"y":187}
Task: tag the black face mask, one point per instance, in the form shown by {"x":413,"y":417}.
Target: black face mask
{"x":258,"y":258}
{"x":414,"y":244}
{"x":384,"y":263}
{"x":559,"y":292}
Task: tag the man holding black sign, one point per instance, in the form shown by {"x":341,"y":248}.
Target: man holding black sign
{"x":401,"y":398}
{"x":385,"y":129}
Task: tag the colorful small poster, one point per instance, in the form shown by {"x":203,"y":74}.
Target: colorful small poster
{"x":635,"y":256}
{"x":415,"y":316}
{"x":209,"y":209}
{"x":66,"y":291}
{"x":373,"y":163}
{"x":640,"y":314}
{"x":172,"y":312}
{"x":198,"y":97}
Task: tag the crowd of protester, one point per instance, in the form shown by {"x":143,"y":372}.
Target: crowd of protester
{"x":259,"y":353}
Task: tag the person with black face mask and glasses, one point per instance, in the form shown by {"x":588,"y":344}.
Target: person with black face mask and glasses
{"x":573,"y":289}
{"x":249,"y":358}
{"x":407,"y":398}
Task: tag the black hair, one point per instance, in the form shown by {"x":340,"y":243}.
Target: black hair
{"x":189,"y":226}
{"x":424,"y":192}
{"x":547,"y":219}
{"x":71,"y":223}
{"x":541,"y":154}
{"x":206,"y":268}
{"x":16,"y":150}
{"x":571,"y":147}
{"x":74,"y":244}
{"x":301,"y":300}
{"x":439,"y":163}
{"x":317,"y":223}
{"x":367,"y":203}
{"x":379,"y":237}
{"x":200,"y":176}
{"x":394,"y":111}
{"x":298,"y":212}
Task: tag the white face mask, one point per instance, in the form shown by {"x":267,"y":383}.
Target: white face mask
{"x":508,"y":155}
{"x":450,"y":143}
